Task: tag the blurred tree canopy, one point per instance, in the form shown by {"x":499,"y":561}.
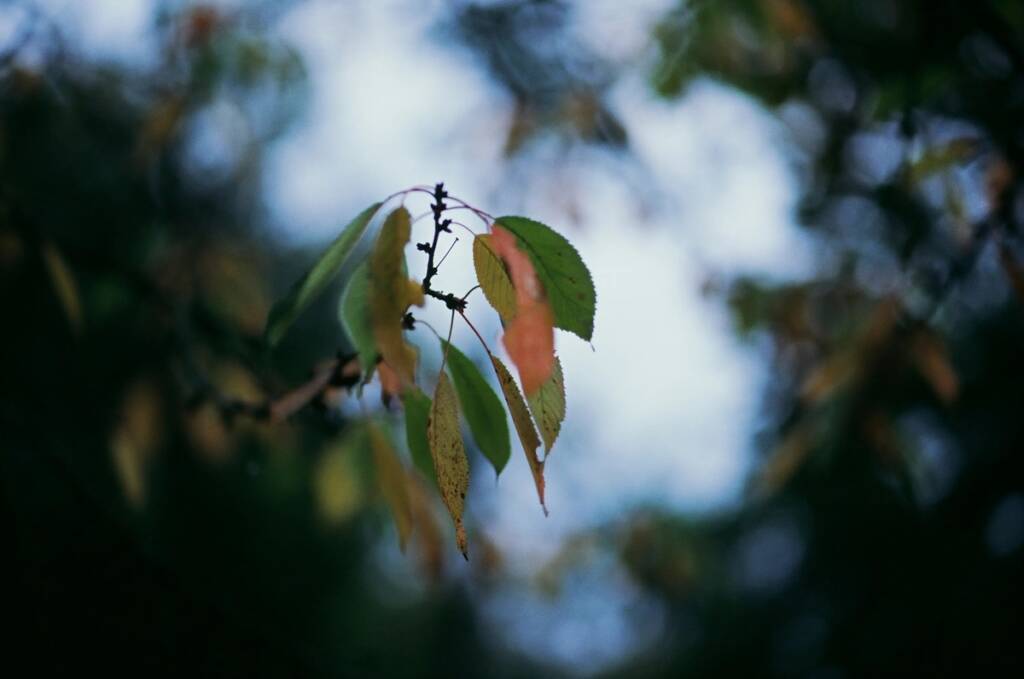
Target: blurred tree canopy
{"x":153,"y":526}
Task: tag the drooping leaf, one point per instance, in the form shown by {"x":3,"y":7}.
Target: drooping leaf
{"x":417,"y":416}
{"x":561,"y":270}
{"x":451,"y":465}
{"x":391,"y":293}
{"x":302,"y":293}
{"x":548,"y":406}
{"x":493,"y":278}
{"x":481,"y":407}
{"x":524,"y":426}
{"x":354,"y":314}
{"x":530,"y":337}
{"x":392,"y":480}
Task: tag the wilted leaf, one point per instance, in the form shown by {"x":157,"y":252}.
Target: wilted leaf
{"x":481,"y":407}
{"x":530,"y":337}
{"x":523,"y":424}
{"x":563,"y":274}
{"x":354,"y":314}
{"x":449,"y":455}
{"x":391,"y":293}
{"x":392,"y":479}
{"x":548,"y":406}
{"x":64,"y":286}
{"x":284,"y":313}
{"x":493,"y":278}
{"x":417,"y":417}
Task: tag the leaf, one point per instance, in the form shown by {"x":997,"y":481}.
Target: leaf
{"x":391,"y":477}
{"x":481,"y":406}
{"x":390,"y":383}
{"x":523,"y":424}
{"x":391,"y":293}
{"x":530,"y":337}
{"x":64,"y":285}
{"x":561,"y":270}
{"x":449,"y":455}
{"x":417,"y":415}
{"x":548,"y":406}
{"x":354,"y":314}
{"x":302,"y":293}
{"x":493,"y":278}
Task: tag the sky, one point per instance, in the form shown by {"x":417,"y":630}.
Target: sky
{"x":661,"y":409}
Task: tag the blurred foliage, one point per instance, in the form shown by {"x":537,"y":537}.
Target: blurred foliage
{"x":154,"y":527}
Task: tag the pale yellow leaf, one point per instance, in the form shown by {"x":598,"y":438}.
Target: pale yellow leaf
{"x":451,"y":465}
{"x":524,"y":425}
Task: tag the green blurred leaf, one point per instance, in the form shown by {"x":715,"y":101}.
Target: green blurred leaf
{"x":316,"y":279}
{"x":481,"y":406}
{"x":548,"y":406}
{"x":354,"y":314}
{"x":417,"y":416}
{"x":560,"y":268}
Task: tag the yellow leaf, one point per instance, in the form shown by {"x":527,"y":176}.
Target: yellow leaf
{"x":493,"y":278}
{"x":449,"y":454}
{"x":336,"y":484}
{"x":524,"y":426}
{"x":136,"y":439}
{"x":392,"y":479}
{"x":64,"y":285}
{"x":391,"y":293}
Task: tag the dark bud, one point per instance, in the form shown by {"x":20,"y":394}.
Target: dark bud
{"x":445,"y":225}
{"x":423,"y":247}
{"x":408,"y":322}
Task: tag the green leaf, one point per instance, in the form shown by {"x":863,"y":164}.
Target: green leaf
{"x":449,"y":455}
{"x":302,"y":293}
{"x":354,"y":314}
{"x":493,"y":278}
{"x":560,"y":269}
{"x":548,"y":406}
{"x":417,"y":415}
{"x":481,"y":407}
{"x":524,"y":426}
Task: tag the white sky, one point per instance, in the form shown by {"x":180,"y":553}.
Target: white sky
{"x":662,"y":411}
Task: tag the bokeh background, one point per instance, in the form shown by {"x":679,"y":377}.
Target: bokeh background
{"x":793,"y":449}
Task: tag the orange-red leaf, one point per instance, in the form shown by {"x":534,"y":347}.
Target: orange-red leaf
{"x":530,"y":336}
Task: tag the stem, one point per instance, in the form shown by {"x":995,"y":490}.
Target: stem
{"x":475,"y":332}
{"x":438,"y":207}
